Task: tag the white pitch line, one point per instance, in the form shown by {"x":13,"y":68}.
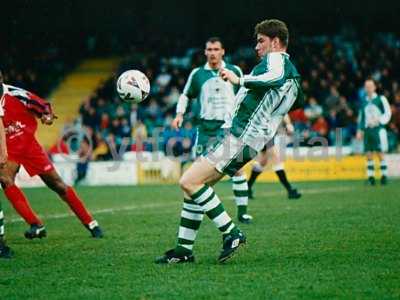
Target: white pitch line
{"x":99,"y":211}
{"x":304,"y":192}
{"x":147,"y":206}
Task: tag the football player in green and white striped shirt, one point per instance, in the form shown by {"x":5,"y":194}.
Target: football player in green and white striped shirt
{"x":264,"y":97}
{"x":217,"y":102}
{"x":374,"y":115}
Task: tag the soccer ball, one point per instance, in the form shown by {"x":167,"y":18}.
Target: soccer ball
{"x":133,"y":86}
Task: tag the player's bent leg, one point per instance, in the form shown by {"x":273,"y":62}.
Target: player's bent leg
{"x":19,"y":201}
{"x":241,"y":194}
{"x":68,"y":194}
{"x":196,"y":182}
{"x":226,"y":157}
{"x":192,"y":180}
{"x":192,"y":213}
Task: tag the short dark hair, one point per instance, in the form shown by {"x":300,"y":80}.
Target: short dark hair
{"x":371,"y":79}
{"x":215,"y":39}
{"x":273,"y":28}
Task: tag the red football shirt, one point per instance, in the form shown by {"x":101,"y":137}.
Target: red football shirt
{"x":21,"y":108}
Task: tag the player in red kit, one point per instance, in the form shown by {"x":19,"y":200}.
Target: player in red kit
{"x":21,"y":110}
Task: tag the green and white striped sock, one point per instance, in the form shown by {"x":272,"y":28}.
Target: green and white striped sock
{"x":191,"y":217}
{"x":241,"y":193}
{"x":214,"y":209}
{"x":1,"y":222}
{"x":370,"y":168}
{"x":384,"y":168}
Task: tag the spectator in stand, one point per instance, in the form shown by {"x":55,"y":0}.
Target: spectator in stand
{"x":320,"y":127}
{"x":299,"y":120}
{"x":346,"y":121}
{"x":85,"y":155}
{"x":101,"y":150}
{"x":332,"y":100}
{"x":334,"y":125}
{"x":59,"y":147}
{"x":104,"y":121}
{"x":313,"y":110}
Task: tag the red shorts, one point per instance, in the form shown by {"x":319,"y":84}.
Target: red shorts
{"x":34,"y":159}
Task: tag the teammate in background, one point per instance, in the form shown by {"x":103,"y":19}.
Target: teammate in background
{"x":217,"y":102}
{"x":21,"y":108}
{"x":271,"y":152}
{"x":5,"y":251}
{"x":374,"y":115}
{"x":265,"y":96}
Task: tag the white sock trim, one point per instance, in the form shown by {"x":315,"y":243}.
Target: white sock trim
{"x":187,"y":233}
{"x":93,"y":224}
{"x":194,"y":207}
{"x":238,"y":178}
{"x":189,"y":247}
{"x":203,"y":196}
{"x":192,"y":216}
{"x":222,"y":219}
{"x":243,"y":201}
{"x":240,"y":187}
{"x":229,"y":229}
{"x":212,"y":204}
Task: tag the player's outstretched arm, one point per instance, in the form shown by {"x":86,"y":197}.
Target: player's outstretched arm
{"x":273,"y":76}
{"x":230,"y":76}
{"x":41,"y":108}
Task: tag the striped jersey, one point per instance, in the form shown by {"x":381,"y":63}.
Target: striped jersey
{"x":216,"y":96}
{"x":266,"y":95}
{"x":374,"y":112}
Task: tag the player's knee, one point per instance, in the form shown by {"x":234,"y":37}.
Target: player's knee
{"x":183,"y":183}
{"x":6,"y":181}
{"x":59,"y":187}
{"x":186,"y":184}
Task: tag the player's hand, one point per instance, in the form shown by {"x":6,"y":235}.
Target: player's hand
{"x":228,"y":75}
{"x":177,"y":122}
{"x":359,"y":135}
{"x":48,"y":119}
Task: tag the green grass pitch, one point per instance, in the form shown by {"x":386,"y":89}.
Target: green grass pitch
{"x":341,"y":240}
